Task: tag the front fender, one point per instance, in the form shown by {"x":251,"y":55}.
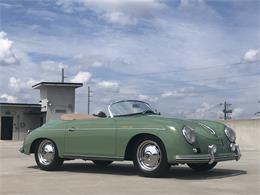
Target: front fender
{"x":56,"y":135}
{"x":174,"y":142}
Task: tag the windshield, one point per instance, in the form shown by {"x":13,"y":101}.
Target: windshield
{"x":129,"y":107}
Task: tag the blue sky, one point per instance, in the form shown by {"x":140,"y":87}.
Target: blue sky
{"x":185,"y":57}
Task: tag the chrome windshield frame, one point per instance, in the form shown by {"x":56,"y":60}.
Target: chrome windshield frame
{"x":111,"y":114}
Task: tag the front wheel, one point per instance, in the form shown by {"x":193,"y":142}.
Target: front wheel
{"x":46,"y":156}
{"x":202,"y":166}
{"x":150,"y":158}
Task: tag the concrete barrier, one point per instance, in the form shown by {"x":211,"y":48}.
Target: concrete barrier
{"x":247,"y":131}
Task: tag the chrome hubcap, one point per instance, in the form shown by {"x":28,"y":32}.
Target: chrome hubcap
{"x":149,"y":155}
{"x":46,"y":152}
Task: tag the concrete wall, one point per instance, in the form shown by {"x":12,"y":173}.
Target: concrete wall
{"x":23,"y":119}
{"x":57,"y":101}
{"x":248,"y":133}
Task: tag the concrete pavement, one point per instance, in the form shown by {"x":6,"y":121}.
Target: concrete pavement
{"x":20,"y":175}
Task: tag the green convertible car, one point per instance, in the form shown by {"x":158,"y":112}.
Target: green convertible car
{"x":132,"y":131}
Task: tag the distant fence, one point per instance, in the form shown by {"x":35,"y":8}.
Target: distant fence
{"x":248,"y":132}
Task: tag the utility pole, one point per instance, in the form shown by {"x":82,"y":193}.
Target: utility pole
{"x":62,"y":75}
{"x":89,"y":100}
{"x":258,"y":113}
{"x":227,"y":110}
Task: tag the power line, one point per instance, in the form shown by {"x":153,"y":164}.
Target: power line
{"x":212,"y":90}
{"x":193,"y":69}
{"x":204,"y":91}
{"x":212,"y":79}
{"x":197,"y":80}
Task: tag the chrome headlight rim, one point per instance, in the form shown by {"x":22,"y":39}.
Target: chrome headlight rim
{"x":189,"y":134}
{"x":230,"y":134}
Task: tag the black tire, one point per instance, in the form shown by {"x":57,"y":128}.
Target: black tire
{"x":102,"y":163}
{"x":159,"y":165}
{"x":53,"y":163}
{"x":202,"y":166}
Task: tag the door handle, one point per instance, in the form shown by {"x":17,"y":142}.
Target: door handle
{"x":72,"y":129}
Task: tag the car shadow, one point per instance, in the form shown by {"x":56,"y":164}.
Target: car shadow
{"x":176,"y":172}
{"x":187,"y":173}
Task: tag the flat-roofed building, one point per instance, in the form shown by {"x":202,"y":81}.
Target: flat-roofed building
{"x":17,"y":118}
{"x":56,"y":99}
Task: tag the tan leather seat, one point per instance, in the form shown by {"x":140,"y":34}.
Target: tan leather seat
{"x":70,"y":117}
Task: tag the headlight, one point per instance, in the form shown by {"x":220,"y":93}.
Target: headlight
{"x":231,"y":135}
{"x":189,"y":135}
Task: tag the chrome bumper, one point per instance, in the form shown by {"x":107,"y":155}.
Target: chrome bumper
{"x":210,"y":158}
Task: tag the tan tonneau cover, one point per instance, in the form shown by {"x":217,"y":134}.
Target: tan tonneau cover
{"x":70,"y":117}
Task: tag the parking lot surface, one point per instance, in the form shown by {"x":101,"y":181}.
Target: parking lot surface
{"x":20,"y":175}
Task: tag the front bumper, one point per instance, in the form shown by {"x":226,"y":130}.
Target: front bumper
{"x":210,"y":158}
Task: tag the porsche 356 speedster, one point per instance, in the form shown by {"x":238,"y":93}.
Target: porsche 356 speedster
{"x":132,"y":131}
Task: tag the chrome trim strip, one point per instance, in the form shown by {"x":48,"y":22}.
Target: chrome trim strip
{"x":209,"y":128}
{"x":142,"y":128}
{"x":85,"y":157}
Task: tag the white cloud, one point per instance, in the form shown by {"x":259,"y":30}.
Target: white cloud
{"x":205,"y":110}
{"x":166,"y":44}
{"x":237,"y":112}
{"x":18,"y":84}
{"x":110,"y":85}
{"x":119,"y":18}
{"x":184,"y":92}
{"x":7,"y":56}
{"x":252,"y":55}
{"x":106,"y":100}
{"x":85,"y":60}
{"x":126,"y":12}
{"x":8,"y":98}
{"x":97,"y":64}
{"x":147,"y":98}
{"x":14,"y":83}
{"x":186,"y":3}
{"x":50,"y":65}
{"x":81,"y":77}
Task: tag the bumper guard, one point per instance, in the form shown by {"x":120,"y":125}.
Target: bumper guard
{"x":211,"y":157}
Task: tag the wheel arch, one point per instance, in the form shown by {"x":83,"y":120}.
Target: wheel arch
{"x":38,"y":140}
{"x":133,"y":140}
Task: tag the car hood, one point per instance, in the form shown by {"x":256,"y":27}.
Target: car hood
{"x":205,"y":128}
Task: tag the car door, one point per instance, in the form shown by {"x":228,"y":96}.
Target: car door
{"x":95,"y":137}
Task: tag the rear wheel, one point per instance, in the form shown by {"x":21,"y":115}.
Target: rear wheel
{"x":102,"y":163}
{"x":202,"y":166}
{"x":150,"y":158}
{"x":46,"y":156}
